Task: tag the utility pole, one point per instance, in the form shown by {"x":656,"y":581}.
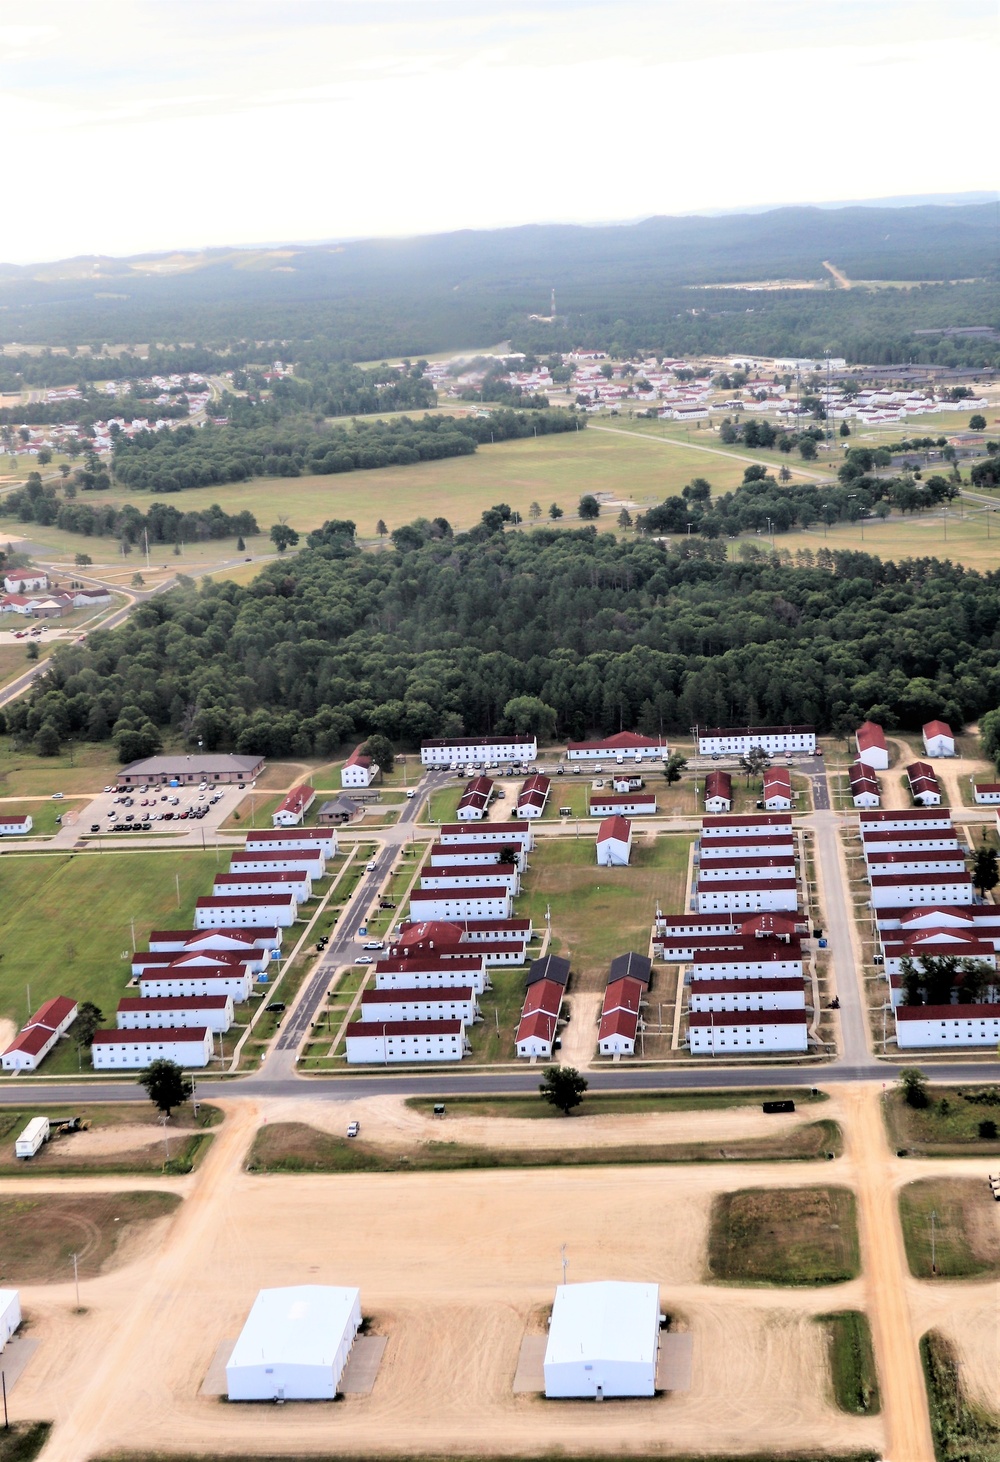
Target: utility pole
{"x":565,"y":1260}
{"x":177,"y":881}
{"x":933,"y":1244}
{"x":132,"y":927}
{"x":76,"y":1278}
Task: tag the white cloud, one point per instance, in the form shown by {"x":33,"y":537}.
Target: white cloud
{"x":336,"y":119}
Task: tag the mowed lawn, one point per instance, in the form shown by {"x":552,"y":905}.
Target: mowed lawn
{"x":598,"y":913}
{"x":66,"y":920}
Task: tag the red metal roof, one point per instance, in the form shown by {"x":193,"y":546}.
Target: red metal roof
{"x":948,"y":1012}
{"x":907,"y":814}
{"x":937,"y":728}
{"x":418,"y":994}
{"x":420,"y":965}
{"x":404,"y":1028}
{"x":884,"y":880}
{"x":746,"y":1017}
{"x":52,"y":1013}
{"x":176,"y":1002}
{"x":618,"y":1022}
{"x":623,"y":799}
{"x":150,"y":1035}
{"x":762,"y":986}
{"x":620,"y":741}
{"x":868,"y":735}
{"x":624,"y":994}
{"x":755,"y":821}
{"x":615,"y":826}
{"x":719,"y":784}
{"x":31,"y":1041}
{"x":257,"y":900}
{"x":539,"y":1023}
{"x":544,"y":995}
{"x":298,"y":799}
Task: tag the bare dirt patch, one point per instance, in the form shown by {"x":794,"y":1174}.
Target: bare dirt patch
{"x":41,"y":1232}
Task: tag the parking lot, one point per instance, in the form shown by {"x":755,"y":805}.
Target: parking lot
{"x":160,"y":809}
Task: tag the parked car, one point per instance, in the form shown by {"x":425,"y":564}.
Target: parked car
{"x":95,"y":827}
{"x":353,"y":1128}
{"x":364,"y":959}
{"x":375,"y":944}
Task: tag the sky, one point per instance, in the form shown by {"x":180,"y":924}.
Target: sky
{"x":153,"y":125}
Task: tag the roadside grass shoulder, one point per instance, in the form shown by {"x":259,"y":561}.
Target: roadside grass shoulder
{"x":188,"y":1137}
{"x":596,"y":1104}
{"x":784,"y":1236}
{"x":294,"y":1147}
{"x":963,"y":1431}
{"x":852,"y":1362}
{"x":962,"y":1240}
{"x":23,"y":1440}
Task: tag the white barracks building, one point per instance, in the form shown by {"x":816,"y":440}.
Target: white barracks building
{"x":738,"y":740}
{"x":478,"y":750}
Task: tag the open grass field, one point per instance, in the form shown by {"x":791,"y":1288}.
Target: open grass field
{"x":598,"y":913}
{"x":852,"y":1362}
{"x":42,"y":1231}
{"x":793,"y":1236}
{"x":966,"y":1244}
{"x":66,"y":923}
{"x":81,"y":769}
{"x":295,"y":1147}
{"x":948,"y":1126}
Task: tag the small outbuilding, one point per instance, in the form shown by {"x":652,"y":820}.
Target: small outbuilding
{"x":603,"y":1340}
{"x":614,"y":842}
{"x":939,"y":739}
{"x":295,"y":1344}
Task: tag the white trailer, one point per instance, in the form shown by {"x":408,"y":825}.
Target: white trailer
{"x":34,"y":1136}
{"x":10,"y":1314}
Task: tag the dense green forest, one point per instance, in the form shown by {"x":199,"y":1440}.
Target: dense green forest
{"x":582,"y":632}
{"x":633,"y":289}
{"x":261,"y":441}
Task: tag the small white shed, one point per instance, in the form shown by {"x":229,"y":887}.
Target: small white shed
{"x":295,"y":1344}
{"x":10,"y":1314}
{"x":603,"y":1340}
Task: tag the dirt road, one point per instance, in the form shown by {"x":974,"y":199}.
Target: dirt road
{"x":455,"y":1267}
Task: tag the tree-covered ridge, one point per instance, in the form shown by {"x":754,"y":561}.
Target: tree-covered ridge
{"x":439,"y":638}
{"x":633,"y":289}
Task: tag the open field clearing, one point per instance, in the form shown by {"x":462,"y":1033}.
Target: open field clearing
{"x":42,"y":1231}
{"x":84,"y":768}
{"x":454,"y":1269}
{"x":66,"y":926}
{"x":598,"y":913}
{"x":963,"y":1241}
{"x":293,"y":1147}
{"x":948,"y":1126}
{"x":118,"y":1139}
{"x":802,"y":1236}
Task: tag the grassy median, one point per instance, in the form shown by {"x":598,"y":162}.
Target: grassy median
{"x":784,"y":1236}
{"x":852,"y":1362}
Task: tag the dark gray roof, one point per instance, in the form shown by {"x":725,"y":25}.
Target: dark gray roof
{"x":551,"y":967}
{"x":339,"y":806}
{"x":163,"y":766}
{"x":633,"y":966}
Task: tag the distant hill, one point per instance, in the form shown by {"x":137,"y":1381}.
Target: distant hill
{"x":372,"y":297}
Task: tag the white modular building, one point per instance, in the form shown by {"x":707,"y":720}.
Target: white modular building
{"x":873,"y":749}
{"x":759,"y":1031}
{"x":783,"y":961}
{"x":622,"y":747}
{"x":758,"y":826}
{"x":310,"y":861}
{"x":236,"y":982}
{"x":929,"y":860}
{"x":264,"y":940}
{"x":493,"y":832}
{"x":750,"y":895}
{"x":947,"y":1025}
{"x":420,"y":973}
{"x":358,"y":770}
{"x":712,"y":849}
{"x":604,"y":1340}
{"x":474,"y":876}
{"x":132,"y":1050}
{"x":478,"y":750}
{"x":408,"y":1003}
{"x":896,"y":890}
{"x":916,"y":840}
{"x":908,"y":819}
{"x":383,"y":1042}
{"x":215,"y":1011}
{"x":246,"y":910}
{"x":770,"y":993}
{"x":443,"y":854}
{"x":460,"y":903}
{"x":987,"y":793}
{"x":622,"y":804}
{"x":938,"y":739}
{"x":753,"y":867}
{"x":10,"y":1314}
{"x":296,"y":882}
{"x":739,"y":740}
{"x":614,"y":842}
{"x":15,"y":824}
{"x":274,"y":839}
{"x":295,"y":1344}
